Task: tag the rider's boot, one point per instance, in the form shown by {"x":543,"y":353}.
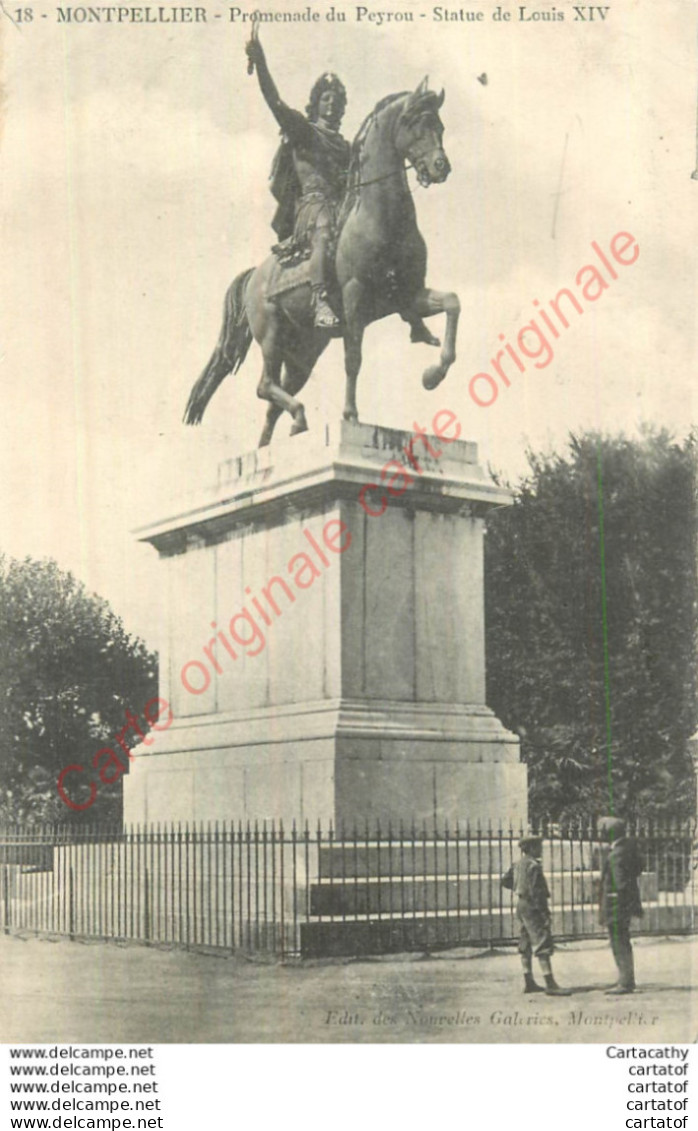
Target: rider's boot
{"x":325,"y":317}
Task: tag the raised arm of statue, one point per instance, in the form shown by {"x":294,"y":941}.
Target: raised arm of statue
{"x":285,"y":116}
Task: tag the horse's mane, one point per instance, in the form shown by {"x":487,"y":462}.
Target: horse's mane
{"x":354,"y":173}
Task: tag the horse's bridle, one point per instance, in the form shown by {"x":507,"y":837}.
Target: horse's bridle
{"x":422,"y":175}
{"x":410,"y":160}
{"x":385,"y":176}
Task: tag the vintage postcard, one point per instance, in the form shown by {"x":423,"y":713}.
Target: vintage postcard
{"x":349,"y":585}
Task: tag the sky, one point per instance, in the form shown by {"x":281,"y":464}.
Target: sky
{"x":134,"y":188}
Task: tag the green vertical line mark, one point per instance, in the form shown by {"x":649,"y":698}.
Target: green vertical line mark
{"x":604,"y":622}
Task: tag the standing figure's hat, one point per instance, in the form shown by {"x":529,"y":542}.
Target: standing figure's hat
{"x":611,"y":828}
{"x":530,"y":840}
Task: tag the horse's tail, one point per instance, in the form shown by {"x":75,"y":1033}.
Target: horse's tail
{"x":230,"y":352}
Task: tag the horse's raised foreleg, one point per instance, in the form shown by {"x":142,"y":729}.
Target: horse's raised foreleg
{"x":426,"y":303}
{"x":352,"y":299}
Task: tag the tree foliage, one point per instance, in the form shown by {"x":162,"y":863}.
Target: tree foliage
{"x":591,"y":602}
{"x":68,"y":672}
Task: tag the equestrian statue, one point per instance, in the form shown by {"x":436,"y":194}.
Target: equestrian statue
{"x":349,"y":250}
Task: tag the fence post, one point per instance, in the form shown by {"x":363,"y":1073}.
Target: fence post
{"x":6,"y":916}
{"x":282,"y":843}
{"x":294,"y":839}
{"x":490,"y":908}
{"x":71,"y":904}
{"x":146,"y":904}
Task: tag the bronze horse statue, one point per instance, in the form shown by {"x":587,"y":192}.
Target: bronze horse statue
{"x":381,"y":262}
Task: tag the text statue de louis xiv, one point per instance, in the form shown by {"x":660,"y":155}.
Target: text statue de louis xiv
{"x":350,"y":251}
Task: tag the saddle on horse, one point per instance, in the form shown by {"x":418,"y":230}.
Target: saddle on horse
{"x":291,"y":269}
{"x":291,"y":252}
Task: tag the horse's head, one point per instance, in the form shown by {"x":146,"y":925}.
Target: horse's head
{"x":419,"y":135}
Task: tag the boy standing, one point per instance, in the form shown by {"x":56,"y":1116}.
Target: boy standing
{"x":526,"y":879}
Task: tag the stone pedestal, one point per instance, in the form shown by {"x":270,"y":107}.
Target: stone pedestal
{"x":325,"y":656}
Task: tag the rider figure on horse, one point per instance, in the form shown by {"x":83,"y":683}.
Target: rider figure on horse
{"x":308,"y":178}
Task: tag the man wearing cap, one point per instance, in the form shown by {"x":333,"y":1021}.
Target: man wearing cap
{"x":526,"y":879}
{"x":620,"y":898}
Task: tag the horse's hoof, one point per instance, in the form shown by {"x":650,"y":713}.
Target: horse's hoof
{"x":433,"y":376}
{"x":300,"y":424}
{"x":352,"y":416}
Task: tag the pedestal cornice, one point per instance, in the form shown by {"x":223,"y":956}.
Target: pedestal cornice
{"x":263,"y":486}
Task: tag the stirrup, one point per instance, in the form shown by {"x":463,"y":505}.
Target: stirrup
{"x":325,"y":317}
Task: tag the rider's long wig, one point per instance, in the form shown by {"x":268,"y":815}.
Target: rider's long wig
{"x":326,"y":82}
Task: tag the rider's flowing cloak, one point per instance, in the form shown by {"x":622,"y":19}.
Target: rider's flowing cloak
{"x":285,"y":190}
{"x":330,"y":157}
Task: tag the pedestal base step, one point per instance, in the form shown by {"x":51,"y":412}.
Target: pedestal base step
{"x":404,"y":893}
{"x":354,"y":937}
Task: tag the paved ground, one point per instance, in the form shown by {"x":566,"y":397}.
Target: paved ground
{"x":73,"y":992}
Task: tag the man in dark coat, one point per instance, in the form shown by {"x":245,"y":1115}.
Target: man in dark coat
{"x":525,"y":878}
{"x":620,"y":898}
{"x":309,"y":173}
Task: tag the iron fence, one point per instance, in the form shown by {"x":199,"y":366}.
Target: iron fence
{"x":310,"y":892}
